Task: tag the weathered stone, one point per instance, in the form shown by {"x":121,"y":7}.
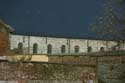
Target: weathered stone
{"x":43,"y":42}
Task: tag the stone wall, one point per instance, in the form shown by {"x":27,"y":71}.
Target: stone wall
{"x":111,"y":73}
{"x":31,"y":58}
{"x":44,"y":72}
{"x":110,"y":69}
{"x":42,"y":81}
{"x":42,"y":42}
{"x":71,"y":59}
{"x":106,"y":69}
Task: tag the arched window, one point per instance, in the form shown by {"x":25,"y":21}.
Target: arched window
{"x":49,"y":49}
{"x":89,"y":49}
{"x":35,"y":48}
{"x":20,"y":48}
{"x":102,"y":49}
{"x":113,"y":48}
{"x":76,"y":48}
{"x":63,"y":49}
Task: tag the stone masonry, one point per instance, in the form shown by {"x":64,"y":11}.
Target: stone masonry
{"x":56,"y":43}
{"x":106,"y":69}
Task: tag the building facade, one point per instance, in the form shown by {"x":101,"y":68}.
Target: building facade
{"x":23,"y":44}
{"x":4,"y":38}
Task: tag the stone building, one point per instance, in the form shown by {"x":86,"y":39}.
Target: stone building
{"x":29,"y":44}
{"x":25,"y":44}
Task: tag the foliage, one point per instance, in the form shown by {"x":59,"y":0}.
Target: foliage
{"x":120,"y":1}
{"x":110,"y":25}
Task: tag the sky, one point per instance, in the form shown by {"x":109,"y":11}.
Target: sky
{"x":67,"y":18}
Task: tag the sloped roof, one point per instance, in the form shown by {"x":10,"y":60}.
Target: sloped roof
{"x":6,"y":26}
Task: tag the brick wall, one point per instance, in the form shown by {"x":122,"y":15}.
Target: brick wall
{"x":3,"y":43}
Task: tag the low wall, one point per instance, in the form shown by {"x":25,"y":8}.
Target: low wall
{"x":107,"y":69}
{"x":86,"y":60}
{"x":31,"y":58}
{"x":110,"y":69}
{"x":73,"y":59}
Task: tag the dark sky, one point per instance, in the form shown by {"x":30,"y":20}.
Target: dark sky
{"x":51,"y":17}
